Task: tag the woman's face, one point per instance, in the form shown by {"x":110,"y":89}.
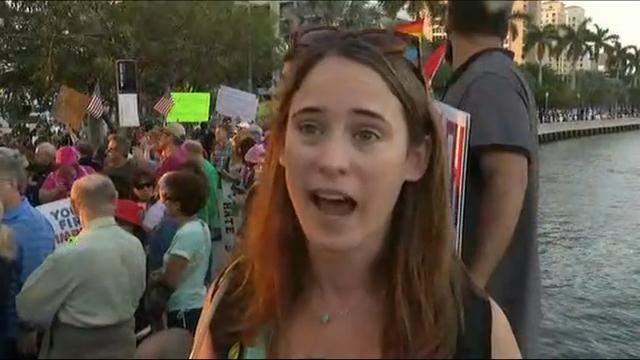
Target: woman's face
{"x":346,"y":155}
{"x":143,"y":190}
{"x":171,"y":207}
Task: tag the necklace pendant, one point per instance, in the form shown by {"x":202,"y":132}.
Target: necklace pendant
{"x":325,"y":318}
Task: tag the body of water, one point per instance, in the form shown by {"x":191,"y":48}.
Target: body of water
{"x":589,"y":238}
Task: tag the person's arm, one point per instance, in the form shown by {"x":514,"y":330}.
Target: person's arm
{"x":49,"y":195}
{"x":174,"y":271}
{"x":502,"y":142}
{"x":505,"y":182}
{"x":45,"y":290}
{"x":185,"y":250}
{"x":503,"y":342}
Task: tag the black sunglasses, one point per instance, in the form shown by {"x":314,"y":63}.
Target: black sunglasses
{"x":387,"y":41}
{"x":144,"y":185}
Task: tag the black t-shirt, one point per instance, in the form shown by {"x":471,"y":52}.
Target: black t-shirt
{"x":122,"y":178}
{"x":37,"y":175}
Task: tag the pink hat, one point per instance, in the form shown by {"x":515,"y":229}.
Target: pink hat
{"x":66,"y":156}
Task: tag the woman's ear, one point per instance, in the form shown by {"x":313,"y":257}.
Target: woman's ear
{"x":418,"y":160}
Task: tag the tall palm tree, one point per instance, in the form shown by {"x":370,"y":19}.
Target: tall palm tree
{"x":540,"y":39}
{"x":513,"y":24}
{"x":601,"y":42}
{"x":436,"y":8}
{"x":577,"y":45}
{"x":617,"y":58}
{"x":349,"y":14}
{"x":633,"y":62}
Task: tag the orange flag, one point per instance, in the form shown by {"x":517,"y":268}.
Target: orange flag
{"x":70,"y":107}
{"x":413,"y":28}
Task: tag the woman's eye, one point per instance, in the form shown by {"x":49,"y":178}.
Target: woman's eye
{"x":367,"y":136}
{"x":309,"y":129}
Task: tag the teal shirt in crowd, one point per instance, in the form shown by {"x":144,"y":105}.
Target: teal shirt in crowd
{"x":209,"y":213}
{"x":193,"y":243}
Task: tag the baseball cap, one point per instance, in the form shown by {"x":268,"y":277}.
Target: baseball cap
{"x":174,"y":129}
{"x":66,"y":156}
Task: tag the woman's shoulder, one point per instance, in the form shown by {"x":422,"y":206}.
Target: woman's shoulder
{"x":205,"y":336}
{"x":485,"y":331}
{"x":474,"y":340}
{"x":193,"y":228}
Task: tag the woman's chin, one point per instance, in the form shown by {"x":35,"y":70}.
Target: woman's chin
{"x":333,"y":243}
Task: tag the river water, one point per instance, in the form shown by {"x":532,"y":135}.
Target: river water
{"x":589,"y":233}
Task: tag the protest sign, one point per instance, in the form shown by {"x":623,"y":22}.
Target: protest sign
{"x":127,"y":87}
{"x":63,"y":219}
{"x":456,"y":129}
{"x":189,"y":107}
{"x":70,"y":107}
{"x":128,"y":110}
{"x":237,"y":103}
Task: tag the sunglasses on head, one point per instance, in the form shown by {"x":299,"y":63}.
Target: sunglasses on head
{"x":387,"y":41}
{"x":144,"y":185}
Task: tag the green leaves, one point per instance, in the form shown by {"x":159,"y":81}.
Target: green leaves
{"x":188,"y":45}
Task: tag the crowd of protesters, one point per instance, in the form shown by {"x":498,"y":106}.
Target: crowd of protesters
{"x":588,"y":113}
{"x":161,"y":188}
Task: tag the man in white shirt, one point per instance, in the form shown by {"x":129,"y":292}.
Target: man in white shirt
{"x":86,"y":293}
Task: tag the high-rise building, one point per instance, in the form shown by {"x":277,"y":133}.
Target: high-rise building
{"x":552,"y":12}
{"x":556,"y":13}
{"x":518,"y":31}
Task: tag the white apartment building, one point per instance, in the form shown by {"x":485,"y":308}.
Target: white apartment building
{"x":555,"y":12}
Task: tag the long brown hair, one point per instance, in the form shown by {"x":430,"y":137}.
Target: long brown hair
{"x":420,"y":306}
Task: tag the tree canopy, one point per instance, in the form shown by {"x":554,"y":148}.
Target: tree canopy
{"x":190,"y":46}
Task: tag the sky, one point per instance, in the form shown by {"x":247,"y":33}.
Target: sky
{"x":620,"y":17}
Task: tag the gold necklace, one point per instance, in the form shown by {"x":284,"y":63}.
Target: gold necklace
{"x":327,"y":317}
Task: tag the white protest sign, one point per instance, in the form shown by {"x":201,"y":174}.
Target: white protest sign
{"x":229,"y":224}
{"x":456,"y":129}
{"x":237,"y":103}
{"x":128,"y":110}
{"x":64,"y":221}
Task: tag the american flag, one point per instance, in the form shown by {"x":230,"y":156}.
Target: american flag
{"x":96,"y":108}
{"x":164,"y":104}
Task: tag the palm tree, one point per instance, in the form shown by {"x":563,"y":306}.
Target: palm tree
{"x":348,"y":14}
{"x":436,"y":8}
{"x":600,"y":41}
{"x":577,"y":45}
{"x":617,"y":58}
{"x":513,"y":24}
{"x":558,"y":45}
{"x":540,"y":38}
{"x":634,"y":63}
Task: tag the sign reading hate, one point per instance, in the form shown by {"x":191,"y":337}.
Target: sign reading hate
{"x":65,"y":222}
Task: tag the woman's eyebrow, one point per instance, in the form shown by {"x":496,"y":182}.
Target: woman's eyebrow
{"x":308,"y":110}
{"x":370,"y":114}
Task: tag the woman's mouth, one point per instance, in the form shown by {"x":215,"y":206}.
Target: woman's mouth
{"x":333,"y":203}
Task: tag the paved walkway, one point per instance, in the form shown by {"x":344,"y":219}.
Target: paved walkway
{"x":544,"y":129}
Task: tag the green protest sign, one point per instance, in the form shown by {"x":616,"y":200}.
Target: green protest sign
{"x":189,"y":107}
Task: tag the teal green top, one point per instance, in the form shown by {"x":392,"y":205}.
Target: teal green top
{"x":193,"y":243}
{"x":209,"y":213}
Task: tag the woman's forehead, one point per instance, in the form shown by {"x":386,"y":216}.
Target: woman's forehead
{"x":337,"y":81}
